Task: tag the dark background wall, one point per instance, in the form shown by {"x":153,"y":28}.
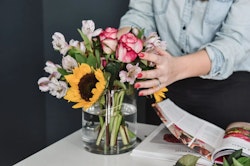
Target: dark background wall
{"x":29,"y":119}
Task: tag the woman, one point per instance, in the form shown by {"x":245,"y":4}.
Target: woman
{"x":207,"y":62}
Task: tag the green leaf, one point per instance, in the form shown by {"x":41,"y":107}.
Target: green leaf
{"x":236,"y":163}
{"x":98,"y":58}
{"x":107,"y":76}
{"x":244,"y":160}
{"x":87,"y":42}
{"x":236,"y":154}
{"x":119,"y":84}
{"x":62,"y":71}
{"x":113,"y":69}
{"x":187,"y":160}
{"x":225,"y":162}
{"x":91,"y":60}
{"x":74,"y":51}
{"x":80,"y":58}
{"x":140,"y":34}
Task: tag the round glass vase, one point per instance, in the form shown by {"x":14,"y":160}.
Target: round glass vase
{"x":112,"y":129}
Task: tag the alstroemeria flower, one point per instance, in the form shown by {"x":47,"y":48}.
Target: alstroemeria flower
{"x":131,"y":74}
{"x":78,"y":45}
{"x":57,"y":88}
{"x":43,"y":84}
{"x":69,"y":63}
{"x":128,"y":48}
{"x":59,"y":43}
{"x":88,"y":28}
{"x":52,"y":69}
{"x":152,"y":41}
{"x":108,"y":38}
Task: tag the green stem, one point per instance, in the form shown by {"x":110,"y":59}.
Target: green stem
{"x":124,"y":135}
{"x":99,"y":138}
{"x":115,"y":130}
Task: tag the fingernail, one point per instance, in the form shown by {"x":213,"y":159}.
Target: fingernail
{"x":140,"y":94}
{"x":137,"y":86}
{"x":139,"y":75}
{"x":141,"y":55}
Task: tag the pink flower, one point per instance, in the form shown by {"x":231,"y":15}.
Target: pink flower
{"x":131,"y":74}
{"x":128,"y":48}
{"x":108,"y":39}
{"x":103,"y":62}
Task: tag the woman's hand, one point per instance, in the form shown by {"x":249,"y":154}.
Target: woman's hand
{"x":170,"y":69}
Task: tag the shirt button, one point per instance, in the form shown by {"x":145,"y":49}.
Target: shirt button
{"x":184,"y":27}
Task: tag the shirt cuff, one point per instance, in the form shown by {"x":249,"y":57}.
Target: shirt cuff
{"x":217,"y":59}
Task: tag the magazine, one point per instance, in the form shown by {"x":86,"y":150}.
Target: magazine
{"x":162,"y":144}
{"x":196,"y":135}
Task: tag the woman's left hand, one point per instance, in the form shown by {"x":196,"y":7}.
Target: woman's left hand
{"x":164,"y":74}
{"x":170,"y":69}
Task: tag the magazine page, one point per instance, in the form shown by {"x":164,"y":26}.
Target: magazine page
{"x":196,"y":133}
{"x":161,"y":144}
{"x":237,"y":136}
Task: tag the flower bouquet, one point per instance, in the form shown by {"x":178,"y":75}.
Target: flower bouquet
{"x":100,"y":71}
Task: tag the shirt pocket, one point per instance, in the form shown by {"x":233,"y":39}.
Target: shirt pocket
{"x":160,"y":6}
{"x":217,"y":11}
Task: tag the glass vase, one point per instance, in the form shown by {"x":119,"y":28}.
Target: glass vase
{"x":110,"y":129}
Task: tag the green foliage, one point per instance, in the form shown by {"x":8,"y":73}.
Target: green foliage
{"x":62,"y":71}
{"x":187,"y":160}
{"x":235,"y":159}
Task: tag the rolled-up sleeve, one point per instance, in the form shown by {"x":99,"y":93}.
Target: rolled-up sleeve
{"x":231,"y":45}
{"x":140,"y":14}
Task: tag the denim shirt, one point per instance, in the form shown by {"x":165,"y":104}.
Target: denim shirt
{"x":222,"y":27}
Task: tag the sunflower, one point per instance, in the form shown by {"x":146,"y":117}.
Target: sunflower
{"x":160,"y":95}
{"x":86,"y":86}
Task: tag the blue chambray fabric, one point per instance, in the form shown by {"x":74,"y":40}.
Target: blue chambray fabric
{"x":222,"y":27}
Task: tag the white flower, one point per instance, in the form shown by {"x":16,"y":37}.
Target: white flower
{"x":59,"y":43}
{"x":57,"y":88}
{"x":43,"y":84}
{"x":78,"y":45}
{"x":69,"y":63}
{"x":152,"y":41}
{"x":51,"y":68}
{"x":88,"y":28}
{"x":131,"y":74}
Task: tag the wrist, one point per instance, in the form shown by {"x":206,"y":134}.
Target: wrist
{"x":192,"y":65}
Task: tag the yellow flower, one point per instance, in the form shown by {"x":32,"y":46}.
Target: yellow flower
{"x":159,"y":95}
{"x":86,"y":86}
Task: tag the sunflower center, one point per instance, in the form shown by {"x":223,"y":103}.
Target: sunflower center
{"x":86,"y":84}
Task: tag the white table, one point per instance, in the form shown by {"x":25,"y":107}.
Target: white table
{"x":69,"y":151}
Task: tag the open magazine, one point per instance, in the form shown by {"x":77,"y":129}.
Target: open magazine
{"x":205,"y":138}
{"x":162,"y":144}
{"x":198,"y":135}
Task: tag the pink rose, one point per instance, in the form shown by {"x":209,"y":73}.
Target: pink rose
{"x":108,"y":39}
{"x":128,"y":48}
